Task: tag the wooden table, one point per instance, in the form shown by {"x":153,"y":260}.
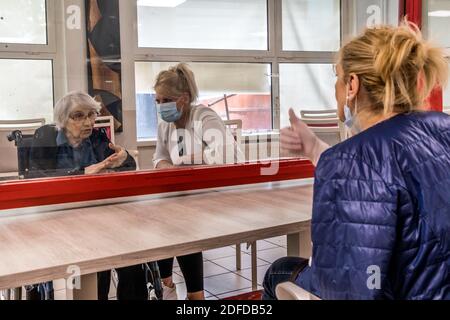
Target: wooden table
{"x":43,"y":246}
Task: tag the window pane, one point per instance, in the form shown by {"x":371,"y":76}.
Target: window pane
{"x":23,"y":21}
{"x":203,"y":24}
{"x":370,"y":13}
{"x":439,"y":21}
{"x":311,"y":25}
{"x":306,"y":87}
{"x":26,"y":89}
{"x":246,"y":86}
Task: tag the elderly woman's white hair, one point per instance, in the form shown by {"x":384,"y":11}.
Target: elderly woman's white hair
{"x":69,"y":102}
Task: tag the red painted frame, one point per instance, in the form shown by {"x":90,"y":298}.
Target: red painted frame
{"x":30,"y":193}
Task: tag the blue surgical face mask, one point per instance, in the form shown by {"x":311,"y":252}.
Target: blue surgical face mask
{"x":168,"y":111}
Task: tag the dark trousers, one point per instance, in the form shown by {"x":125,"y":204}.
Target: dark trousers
{"x":282,"y":270}
{"x":132,"y":283}
{"x":192,"y":268}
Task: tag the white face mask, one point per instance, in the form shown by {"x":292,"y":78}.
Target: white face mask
{"x":350,"y":121}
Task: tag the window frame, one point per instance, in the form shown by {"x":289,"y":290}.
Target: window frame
{"x":49,"y":51}
{"x":273,"y":56}
{"x":33,"y":49}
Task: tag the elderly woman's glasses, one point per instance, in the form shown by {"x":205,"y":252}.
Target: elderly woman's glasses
{"x":81,"y":116}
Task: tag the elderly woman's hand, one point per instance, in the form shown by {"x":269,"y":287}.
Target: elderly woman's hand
{"x":96,"y":168}
{"x":300,"y":140}
{"x":116,"y":159}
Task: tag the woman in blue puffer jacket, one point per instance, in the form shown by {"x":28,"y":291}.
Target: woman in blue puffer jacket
{"x":381,"y":212}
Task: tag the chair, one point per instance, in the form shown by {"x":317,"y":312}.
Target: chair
{"x":106,"y":122}
{"x":326,"y":124}
{"x":235,"y":127}
{"x":9,"y":165}
{"x":318,"y":114}
{"x":291,"y":291}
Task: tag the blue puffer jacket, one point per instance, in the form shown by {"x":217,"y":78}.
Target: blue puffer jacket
{"x":382,"y":212}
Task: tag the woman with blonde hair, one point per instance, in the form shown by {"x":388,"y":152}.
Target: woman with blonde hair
{"x":188,"y":134}
{"x":381,"y":212}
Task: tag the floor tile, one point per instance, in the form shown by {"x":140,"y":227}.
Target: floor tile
{"x":211,"y":269}
{"x":181,"y":291}
{"x":260,"y":245}
{"x":225,"y":283}
{"x":219,"y":253}
{"x":246,"y":262}
{"x":270,"y":255}
{"x":177,"y":277}
{"x":261,"y":272}
{"x":280,"y":241}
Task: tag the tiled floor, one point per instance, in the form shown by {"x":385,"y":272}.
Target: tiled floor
{"x":221,"y":278}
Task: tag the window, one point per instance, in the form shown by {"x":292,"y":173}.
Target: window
{"x":311,"y":25}
{"x":438,"y":22}
{"x":306,"y":86}
{"x":251,"y":58}
{"x":23,"y":21}
{"x":26,"y":81}
{"x":203,"y":24}
{"x":241,"y":91}
{"x":26,"y":88}
{"x":369,"y":13}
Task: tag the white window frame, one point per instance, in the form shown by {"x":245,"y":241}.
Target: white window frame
{"x":49,"y":47}
{"x":274,"y":55}
{"x":47,"y":51}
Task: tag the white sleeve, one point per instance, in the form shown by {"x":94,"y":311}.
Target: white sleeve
{"x":162,"y":147}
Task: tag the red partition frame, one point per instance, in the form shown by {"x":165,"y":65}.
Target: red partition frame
{"x":30,"y":193}
{"x":413,"y":10}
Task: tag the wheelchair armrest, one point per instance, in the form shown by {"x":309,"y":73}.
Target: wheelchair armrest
{"x":291,"y":291}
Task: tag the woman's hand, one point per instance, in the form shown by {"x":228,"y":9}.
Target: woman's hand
{"x":300,"y":140}
{"x":118,"y":158}
{"x":96,"y":168}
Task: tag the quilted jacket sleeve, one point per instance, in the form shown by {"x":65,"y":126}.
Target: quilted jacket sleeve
{"x":353,"y":229}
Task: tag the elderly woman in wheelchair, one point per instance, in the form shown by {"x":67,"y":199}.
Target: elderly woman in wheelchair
{"x":74,"y":147}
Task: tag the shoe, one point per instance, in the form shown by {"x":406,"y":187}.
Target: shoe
{"x":170,"y":293}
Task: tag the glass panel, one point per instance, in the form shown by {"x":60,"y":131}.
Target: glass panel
{"x":311,"y":25}
{"x":439,"y":21}
{"x":203,"y":24}
{"x":447,"y":94}
{"x":246,"y":88}
{"x":26,"y":89}
{"x":23,"y":21}
{"x":370,"y":13}
{"x":306,"y":87}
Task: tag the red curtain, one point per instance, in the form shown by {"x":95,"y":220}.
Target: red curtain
{"x":413,"y":10}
